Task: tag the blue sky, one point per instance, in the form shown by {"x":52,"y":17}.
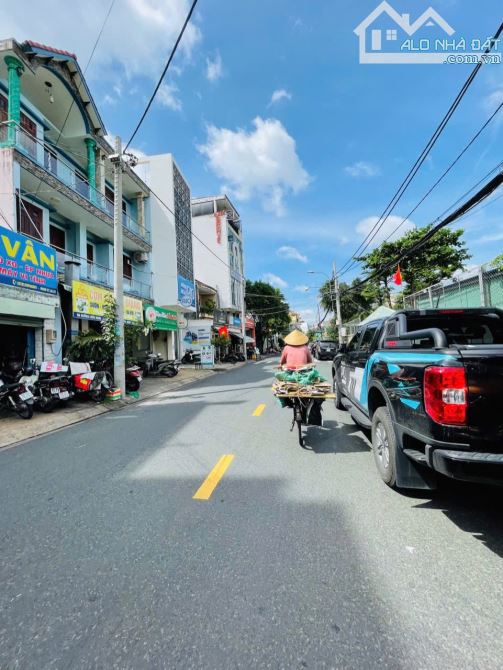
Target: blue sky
{"x":267,"y":101}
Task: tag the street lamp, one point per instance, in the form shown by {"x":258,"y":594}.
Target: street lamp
{"x":318,"y":272}
{"x":333,"y":289}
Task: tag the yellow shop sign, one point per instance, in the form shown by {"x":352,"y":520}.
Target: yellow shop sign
{"x":88,"y":302}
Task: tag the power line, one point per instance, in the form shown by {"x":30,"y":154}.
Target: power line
{"x":444,"y":174}
{"x":422,"y":157}
{"x":168,"y":63}
{"x":482,"y":194}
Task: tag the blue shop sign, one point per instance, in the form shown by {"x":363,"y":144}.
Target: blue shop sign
{"x":186,"y":292}
{"x":236,"y":321}
{"x":25,"y":263}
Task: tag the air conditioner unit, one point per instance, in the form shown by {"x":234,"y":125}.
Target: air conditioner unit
{"x":50,"y":336}
{"x":141,"y":256}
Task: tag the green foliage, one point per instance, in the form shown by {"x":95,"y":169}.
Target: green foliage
{"x":497,"y":262}
{"x":220,"y":341}
{"x":207,"y":307}
{"x":270,"y":306}
{"x":354,"y":303}
{"x":438,"y":259}
{"x":92,"y":346}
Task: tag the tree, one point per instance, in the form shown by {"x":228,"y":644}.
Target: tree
{"x":437,"y":259}
{"x":354,"y":302}
{"x":269,"y":306}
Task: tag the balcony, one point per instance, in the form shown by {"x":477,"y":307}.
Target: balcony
{"x":68,"y":175}
{"x":98,"y":274}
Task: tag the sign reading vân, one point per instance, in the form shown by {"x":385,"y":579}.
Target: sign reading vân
{"x":25,"y":263}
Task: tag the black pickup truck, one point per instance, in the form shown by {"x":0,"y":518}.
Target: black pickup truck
{"x":429,"y":384}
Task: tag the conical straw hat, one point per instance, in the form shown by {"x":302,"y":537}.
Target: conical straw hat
{"x":296,"y":338}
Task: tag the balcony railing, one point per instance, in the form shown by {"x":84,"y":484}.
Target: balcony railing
{"x":68,"y":174}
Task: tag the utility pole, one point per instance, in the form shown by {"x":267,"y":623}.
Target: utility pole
{"x":337,"y":302}
{"x":119,"y":355}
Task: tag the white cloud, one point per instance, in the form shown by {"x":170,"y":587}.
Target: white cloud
{"x":261,"y":163}
{"x":293,"y":253}
{"x":362,"y":169}
{"x":109,"y":100}
{"x":301,"y":288}
{"x":274,"y":280}
{"x":166,"y":96}
{"x":214,"y":68}
{"x":493,"y":100}
{"x":364,"y":227}
{"x":280,"y":94}
{"x":137,"y":38}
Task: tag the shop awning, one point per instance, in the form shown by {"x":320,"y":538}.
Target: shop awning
{"x":24,"y":308}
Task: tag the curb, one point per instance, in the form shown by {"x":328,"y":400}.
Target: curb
{"x":121,"y":404}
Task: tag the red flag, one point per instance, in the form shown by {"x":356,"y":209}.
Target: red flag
{"x":397,"y":277}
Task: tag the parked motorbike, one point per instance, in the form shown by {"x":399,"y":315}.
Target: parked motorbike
{"x":86,"y":382}
{"x":49,"y":384}
{"x":16,"y":397}
{"x":191,"y":357}
{"x":155,"y":365}
{"x":230,"y":358}
{"x":133,"y":378}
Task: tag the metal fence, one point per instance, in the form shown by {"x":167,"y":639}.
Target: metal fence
{"x":481,"y":287}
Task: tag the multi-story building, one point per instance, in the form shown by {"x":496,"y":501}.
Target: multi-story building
{"x":172,"y":258}
{"x":56,"y":188}
{"x":218,"y":259}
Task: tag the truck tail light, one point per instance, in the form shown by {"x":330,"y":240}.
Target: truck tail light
{"x":446,"y":394}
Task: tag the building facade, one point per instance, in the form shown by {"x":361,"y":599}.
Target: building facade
{"x":172,"y":256}
{"x":218,"y":259}
{"x":56,"y":190}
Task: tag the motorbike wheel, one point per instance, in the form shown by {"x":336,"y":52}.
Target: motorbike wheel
{"x":98,"y":395}
{"x":24,"y":410}
{"x":46,"y":405}
{"x":132,"y":385}
{"x":168,"y":372}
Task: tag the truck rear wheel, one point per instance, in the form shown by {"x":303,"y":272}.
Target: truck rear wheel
{"x":384,"y":445}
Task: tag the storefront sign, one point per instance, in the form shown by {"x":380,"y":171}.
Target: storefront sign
{"x":88,"y":302}
{"x":25,"y":263}
{"x":160,"y":318}
{"x":219,"y":316}
{"x":186,"y":293}
{"x":207,"y":356}
{"x":197,"y":334}
{"x":236,"y":321}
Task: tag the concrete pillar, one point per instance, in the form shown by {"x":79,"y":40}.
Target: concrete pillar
{"x":100,"y":172}
{"x":91,"y":166}
{"x":140,"y":208}
{"x":15,"y":69}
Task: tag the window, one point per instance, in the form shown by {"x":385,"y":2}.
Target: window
{"x":30,"y":219}
{"x":353,"y":344}
{"x":127,"y":267}
{"x":391,"y":329}
{"x":109,"y":200}
{"x":57,"y":237}
{"x":50,"y":160}
{"x":368,"y":338}
{"x":4,"y":115}
{"x":29,"y":134}
{"x":391,"y":35}
{"x":81,"y":184}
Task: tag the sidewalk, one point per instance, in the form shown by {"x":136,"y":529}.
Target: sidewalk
{"x":15,"y":429}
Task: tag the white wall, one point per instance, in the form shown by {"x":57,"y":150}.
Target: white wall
{"x":208,"y":269}
{"x":157,"y":172}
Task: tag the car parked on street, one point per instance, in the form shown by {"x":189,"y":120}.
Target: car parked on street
{"x":429,"y":385}
{"x":324,"y":349}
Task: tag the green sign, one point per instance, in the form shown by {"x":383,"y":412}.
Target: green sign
{"x":160,"y":318}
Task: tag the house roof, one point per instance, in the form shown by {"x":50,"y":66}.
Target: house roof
{"x":403,"y":20}
{"x":61,"y":52}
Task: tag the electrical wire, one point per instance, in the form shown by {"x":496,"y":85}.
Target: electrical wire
{"x":422,"y":157}
{"x":482,"y":194}
{"x":168,"y":63}
{"x":444,"y":174}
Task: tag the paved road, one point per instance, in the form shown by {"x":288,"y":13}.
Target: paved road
{"x":299,"y":559}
